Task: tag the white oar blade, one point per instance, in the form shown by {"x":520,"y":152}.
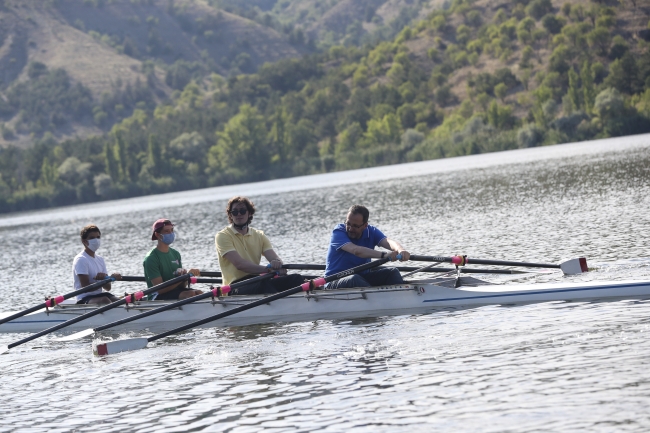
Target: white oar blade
{"x":77,"y":335}
{"x":3,"y":349}
{"x":112,"y":347}
{"x":574,"y":266}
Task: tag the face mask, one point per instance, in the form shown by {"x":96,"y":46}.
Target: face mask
{"x":94,"y":244}
{"x":168,"y":238}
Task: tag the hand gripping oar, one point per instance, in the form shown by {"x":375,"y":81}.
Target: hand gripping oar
{"x":117,"y":346}
{"x":570,"y":267}
{"x":212,"y":293}
{"x":127,"y":299}
{"x":51,"y":302}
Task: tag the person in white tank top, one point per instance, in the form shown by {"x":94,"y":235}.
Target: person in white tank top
{"x":89,"y":267}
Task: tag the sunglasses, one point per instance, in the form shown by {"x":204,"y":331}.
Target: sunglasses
{"x":236,"y":212}
{"x":354,"y":226}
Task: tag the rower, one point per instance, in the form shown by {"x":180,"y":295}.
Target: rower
{"x":240,"y":249}
{"x":163,"y":263}
{"x":353,"y":244}
{"x":89,"y":267}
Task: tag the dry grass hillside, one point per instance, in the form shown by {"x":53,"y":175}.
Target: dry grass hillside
{"x":103,"y":45}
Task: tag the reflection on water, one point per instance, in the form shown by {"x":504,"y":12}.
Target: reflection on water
{"x":553,"y":366}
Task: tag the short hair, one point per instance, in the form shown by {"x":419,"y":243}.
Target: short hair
{"x":357,"y":209}
{"x":239,"y":199}
{"x":89,"y":229}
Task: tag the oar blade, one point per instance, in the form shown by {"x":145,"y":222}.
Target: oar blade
{"x":3,"y":349}
{"x":117,"y":346}
{"x":77,"y":335}
{"x":574,"y":266}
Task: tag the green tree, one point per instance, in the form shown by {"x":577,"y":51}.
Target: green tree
{"x":348,"y":139}
{"x":112,"y":168}
{"x":383,"y":131}
{"x":123,"y":157}
{"x":279,"y":135}
{"x":500,"y":91}
{"x":574,"y":91}
{"x":623,"y":74}
{"x":154,"y":156}
{"x":600,"y":38}
{"x":588,"y":92}
{"x":241,"y":151}
{"x":49,"y":174}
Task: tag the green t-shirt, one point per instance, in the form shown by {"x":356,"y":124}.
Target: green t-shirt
{"x":159,"y":264}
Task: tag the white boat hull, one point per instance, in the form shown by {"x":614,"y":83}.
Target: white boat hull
{"x":416,"y":297}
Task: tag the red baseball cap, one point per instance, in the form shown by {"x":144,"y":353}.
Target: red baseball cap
{"x":159,"y":224}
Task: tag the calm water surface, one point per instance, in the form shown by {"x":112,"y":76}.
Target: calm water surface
{"x":544,"y":367}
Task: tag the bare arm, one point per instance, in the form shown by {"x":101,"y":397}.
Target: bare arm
{"x":85,"y":281}
{"x":359,"y":251}
{"x":244,"y":265}
{"x":395,"y":248}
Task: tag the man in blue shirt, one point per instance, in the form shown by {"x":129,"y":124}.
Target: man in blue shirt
{"x":353,"y":244}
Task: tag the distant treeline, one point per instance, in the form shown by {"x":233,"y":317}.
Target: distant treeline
{"x":563,"y":75}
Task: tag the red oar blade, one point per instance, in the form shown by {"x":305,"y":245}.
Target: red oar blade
{"x":117,"y":346}
{"x":574,"y":266}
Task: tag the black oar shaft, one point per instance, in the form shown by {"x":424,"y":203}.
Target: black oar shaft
{"x":469,"y":261}
{"x":185,"y":301}
{"x":413,"y":268}
{"x":93,"y":286}
{"x":198,"y":280}
{"x":99,"y":310}
{"x":267,"y":300}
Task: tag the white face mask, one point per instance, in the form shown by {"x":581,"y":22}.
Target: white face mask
{"x":94,"y":244}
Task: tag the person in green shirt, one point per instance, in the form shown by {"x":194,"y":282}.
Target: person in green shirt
{"x":163,"y":263}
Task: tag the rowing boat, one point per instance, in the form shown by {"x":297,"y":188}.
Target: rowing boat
{"x":412,"y":297}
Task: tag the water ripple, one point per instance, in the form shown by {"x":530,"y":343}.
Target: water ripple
{"x":555,"y":366}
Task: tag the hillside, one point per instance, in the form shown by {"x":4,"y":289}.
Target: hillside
{"x":122,"y":53}
{"x":334,"y":22}
{"x":477,"y":76}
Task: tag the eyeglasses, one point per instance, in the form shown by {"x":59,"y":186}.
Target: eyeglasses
{"x":236,"y":212}
{"x":354,"y":226}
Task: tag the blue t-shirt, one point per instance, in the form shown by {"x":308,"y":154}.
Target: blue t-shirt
{"x":339,"y":260}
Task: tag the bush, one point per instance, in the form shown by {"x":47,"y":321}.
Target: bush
{"x":530,"y":136}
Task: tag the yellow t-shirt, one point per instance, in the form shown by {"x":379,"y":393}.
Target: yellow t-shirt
{"x":249,"y":246}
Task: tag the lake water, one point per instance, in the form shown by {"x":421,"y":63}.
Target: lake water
{"x":544,"y":367}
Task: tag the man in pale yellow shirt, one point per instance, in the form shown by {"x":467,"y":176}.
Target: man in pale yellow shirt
{"x":240,"y":249}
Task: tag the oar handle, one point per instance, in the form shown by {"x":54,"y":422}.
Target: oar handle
{"x":99,"y":310}
{"x":267,"y":299}
{"x":464,"y":260}
{"x":58,"y":299}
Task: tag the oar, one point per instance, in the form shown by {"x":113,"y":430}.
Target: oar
{"x":112,"y":347}
{"x":198,"y":279}
{"x":422,"y":269}
{"x":58,"y":299}
{"x":413,"y":268}
{"x":315,"y":267}
{"x":211,"y":293}
{"x":570,"y":267}
{"x":136,"y":296}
